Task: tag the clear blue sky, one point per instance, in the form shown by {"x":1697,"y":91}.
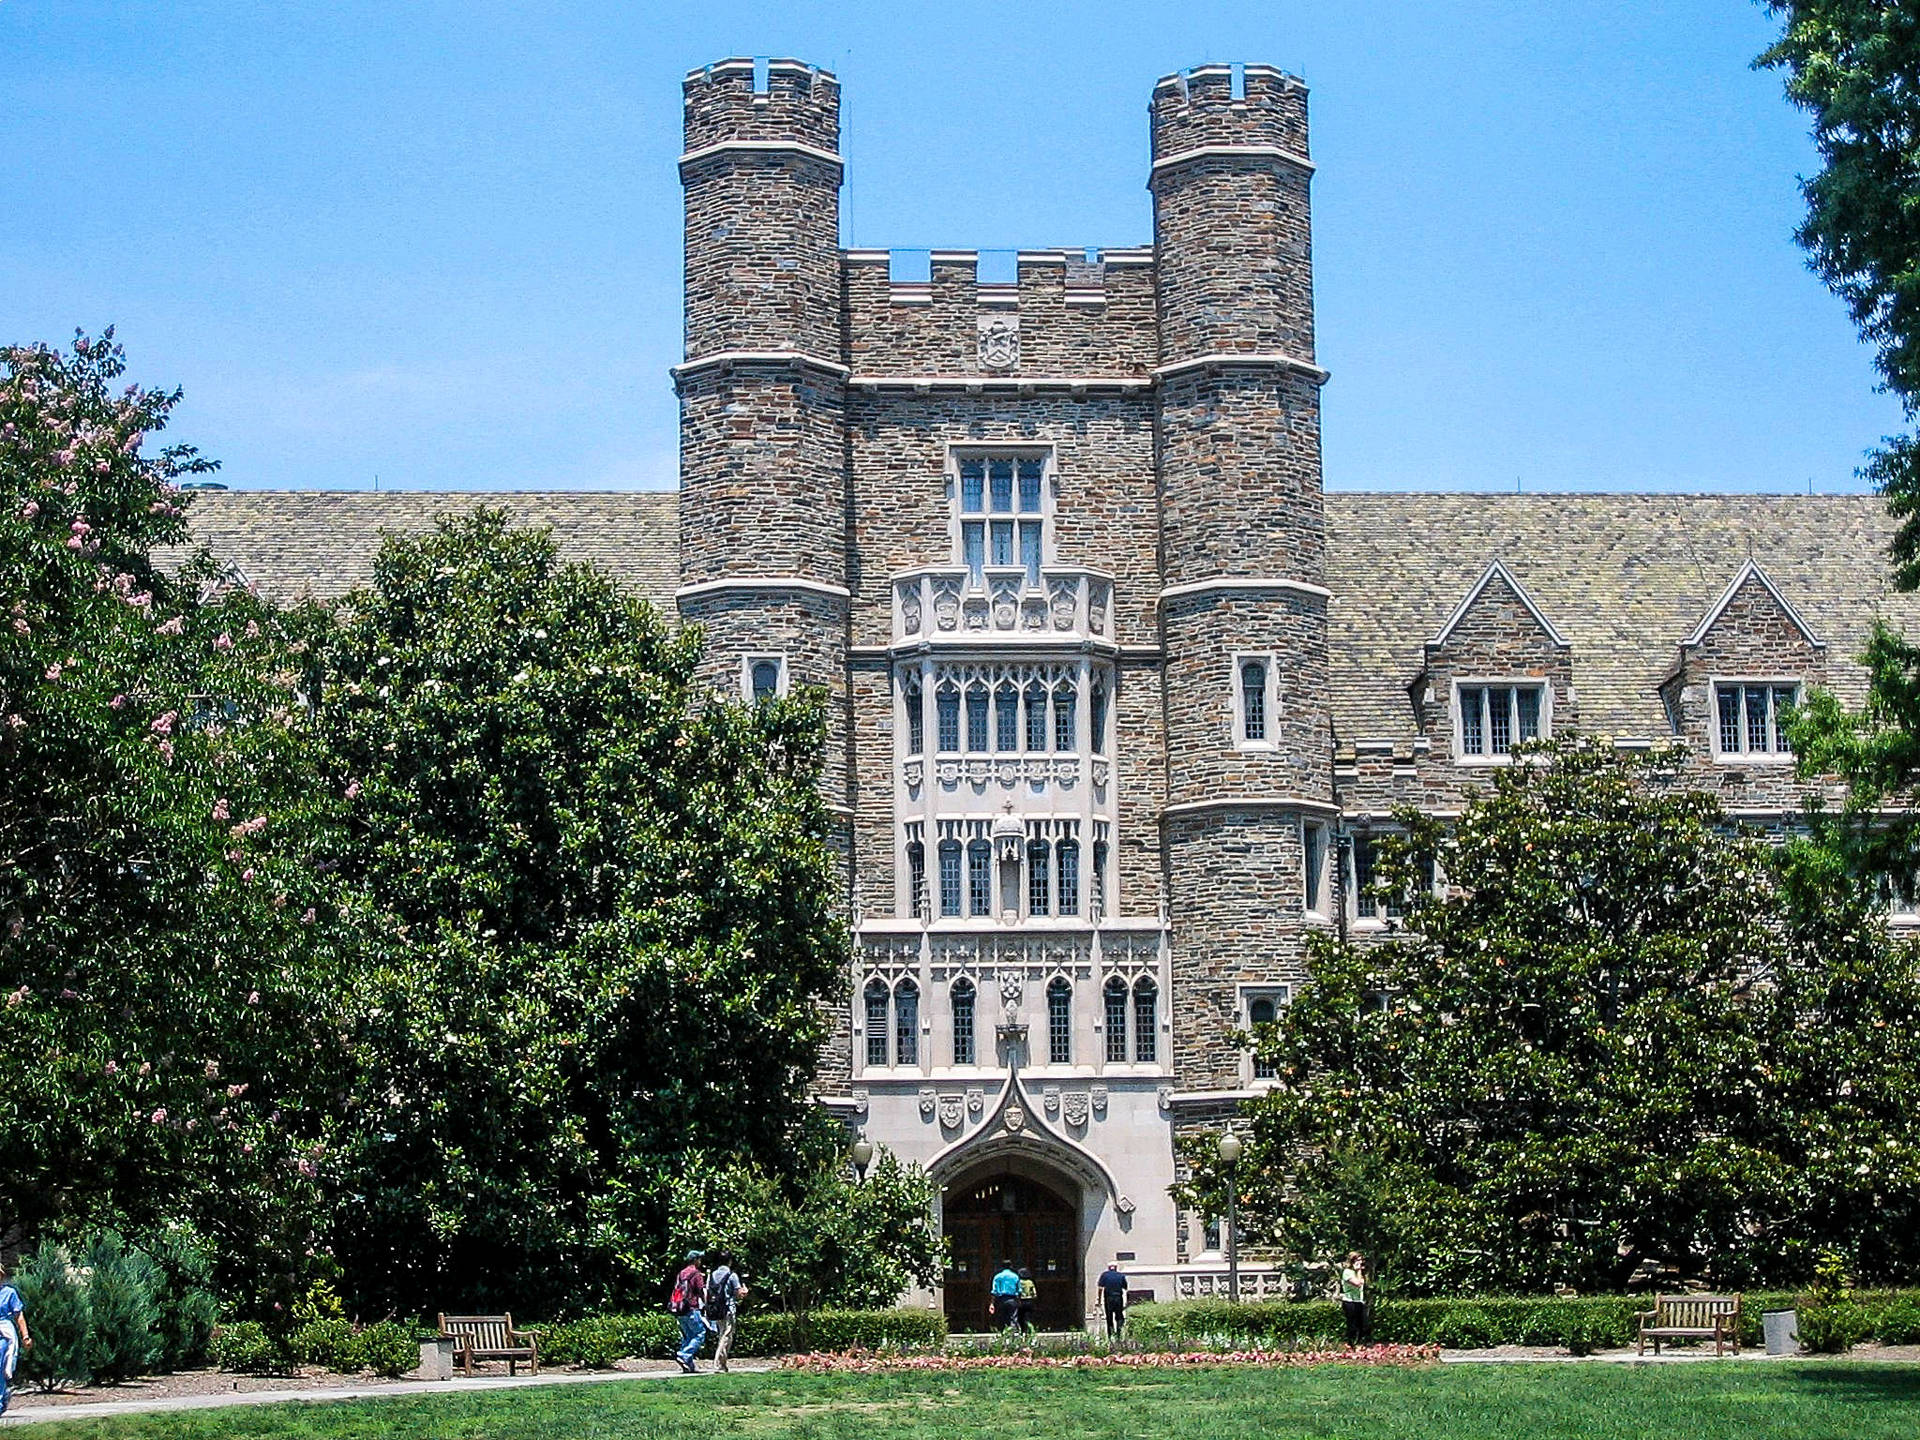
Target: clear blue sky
{"x":440,"y":242}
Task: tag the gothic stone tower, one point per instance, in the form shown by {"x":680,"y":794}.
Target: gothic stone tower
{"x":1243,"y":607}
{"x":763,"y":520}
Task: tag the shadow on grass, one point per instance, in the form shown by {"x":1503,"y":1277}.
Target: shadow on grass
{"x":1862,"y":1380}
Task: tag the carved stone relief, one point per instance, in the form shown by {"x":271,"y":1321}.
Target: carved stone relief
{"x":999,"y":341}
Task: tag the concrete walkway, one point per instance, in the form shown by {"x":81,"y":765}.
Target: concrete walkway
{"x":25,"y":1412}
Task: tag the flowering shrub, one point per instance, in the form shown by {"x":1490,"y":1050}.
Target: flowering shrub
{"x":871,"y":1362}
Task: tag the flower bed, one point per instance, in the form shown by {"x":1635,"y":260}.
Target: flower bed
{"x":869,"y":1362}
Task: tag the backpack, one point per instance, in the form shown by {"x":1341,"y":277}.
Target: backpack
{"x":686,"y":1293}
{"x":719,"y":1300}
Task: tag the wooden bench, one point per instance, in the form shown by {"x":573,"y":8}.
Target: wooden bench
{"x":1692,"y":1317}
{"x":490,"y":1337}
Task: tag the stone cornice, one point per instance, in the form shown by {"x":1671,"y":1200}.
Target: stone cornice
{"x":1229,"y":583}
{"x":1252,"y":802}
{"x":1223,"y":359}
{"x":758,"y":147}
{"x":1230,"y":152}
{"x":721,"y":359}
{"x":1002,"y":384}
{"x":747,"y":584}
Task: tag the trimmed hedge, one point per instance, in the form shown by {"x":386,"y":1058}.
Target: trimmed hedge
{"x":600,"y":1341}
{"x":1602,"y":1321}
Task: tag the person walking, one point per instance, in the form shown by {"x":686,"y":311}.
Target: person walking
{"x":1029,"y":1298}
{"x":1113,"y":1288}
{"x":1353,"y":1299}
{"x":1006,"y":1296}
{"x":688,"y":1306}
{"x":14,"y":1336}
{"x":724,"y":1293}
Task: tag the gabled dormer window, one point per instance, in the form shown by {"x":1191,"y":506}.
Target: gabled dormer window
{"x":1492,"y":718}
{"x":1750,"y":718}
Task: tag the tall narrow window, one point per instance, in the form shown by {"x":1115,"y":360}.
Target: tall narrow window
{"x":1100,"y":875}
{"x":1253,"y":700}
{"x":1063,"y":719}
{"x":949,"y":877}
{"x":963,"y":1022}
{"x":1036,"y":716}
{"x":947,"y":704}
{"x":1729,"y":717}
{"x":976,"y":717}
{"x":1000,"y":479}
{"x":1526,"y":702}
{"x":973,"y":544}
{"x":1366,"y":904}
{"x":917,"y":880}
{"x":1115,"y":996}
{"x":1002,"y":533}
{"x":973,"y":479}
{"x":1784,"y":699}
{"x":1259,"y":1014}
{"x":1060,"y":1022}
{"x":1067,"y":852}
{"x":1006,"y":717}
{"x":1037,"y":887}
{"x":1030,"y":472}
{"x":1313,"y":860}
{"x":1499,"y":720}
{"x":765,"y":679}
{"x":876,"y":1022}
{"x":1473,"y":720}
{"x":916,"y":716}
{"x":980,"y":879}
{"x":1146,"y":1002}
{"x":1097,"y":717}
{"x":1030,"y":549}
{"x":906,"y":1024}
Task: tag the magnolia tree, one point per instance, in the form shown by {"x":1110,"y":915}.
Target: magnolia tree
{"x":1605,"y":1046}
{"x":170,"y":960}
{"x":611,"y":921}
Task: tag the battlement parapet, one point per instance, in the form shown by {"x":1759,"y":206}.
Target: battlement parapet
{"x":799,"y":106}
{"x":1056,"y":312}
{"x":1228,"y":105}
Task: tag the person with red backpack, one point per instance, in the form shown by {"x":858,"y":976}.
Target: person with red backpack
{"x":688,"y":1304}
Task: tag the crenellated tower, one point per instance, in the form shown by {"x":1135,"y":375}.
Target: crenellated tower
{"x":1242,"y":549}
{"x":763,"y":515}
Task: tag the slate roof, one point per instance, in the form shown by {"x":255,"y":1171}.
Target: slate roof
{"x":293,"y":543}
{"x":1625,"y":578}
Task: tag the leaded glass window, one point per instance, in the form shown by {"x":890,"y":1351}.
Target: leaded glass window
{"x":1146,"y":1003}
{"x":1060,"y":1022}
{"x":1115,"y":996}
{"x":963,"y":995}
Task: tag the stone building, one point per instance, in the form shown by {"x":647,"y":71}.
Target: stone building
{"x":1119,"y":696}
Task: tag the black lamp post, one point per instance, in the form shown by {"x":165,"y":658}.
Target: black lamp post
{"x":862,"y":1157}
{"x":1230,"y":1157}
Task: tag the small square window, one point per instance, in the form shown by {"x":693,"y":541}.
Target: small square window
{"x":1750,"y":718}
{"x":1492,"y":718}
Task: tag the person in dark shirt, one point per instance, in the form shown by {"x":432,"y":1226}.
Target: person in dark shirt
{"x":1113,"y":1286}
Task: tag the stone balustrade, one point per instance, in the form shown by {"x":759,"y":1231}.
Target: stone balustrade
{"x":1002,"y":602}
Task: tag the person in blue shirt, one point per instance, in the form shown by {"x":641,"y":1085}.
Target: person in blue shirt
{"x":13,"y":1336}
{"x":1006,"y":1296}
{"x":1113,"y":1288}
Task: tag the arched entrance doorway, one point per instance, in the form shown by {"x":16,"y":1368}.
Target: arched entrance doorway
{"x":998,"y":1216}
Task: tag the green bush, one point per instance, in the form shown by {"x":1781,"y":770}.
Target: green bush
{"x":245,"y":1348}
{"x":183,"y":1298}
{"x":1467,"y":1327}
{"x":391,"y":1348}
{"x":1833,"y":1328}
{"x":120,"y":1287}
{"x":58,"y":1316}
{"x":597,"y":1342}
{"x":330,"y":1343}
{"x":1899,"y":1323}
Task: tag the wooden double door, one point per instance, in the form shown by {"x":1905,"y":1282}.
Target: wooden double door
{"x":1001,"y":1218}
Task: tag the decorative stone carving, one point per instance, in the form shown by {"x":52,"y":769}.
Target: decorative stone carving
{"x":1098,"y":1095}
{"x":913,"y":772}
{"x":1050,"y":1098}
{"x":860,"y":1101}
{"x":976,"y":1101}
{"x":1123,"y":1205}
{"x":999,"y":341}
{"x":976,"y":614}
{"x":1102,"y":772}
{"x":1063,"y":604}
{"x":946,"y":603}
{"x":927,"y":1102}
{"x":1033,"y":615}
{"x":1073,"y":1107}
{"x":948,"y":772}
{"x":950,"y":1110}
{"x":1006,"y":599}
{"x":1011,"y":993}
{"x":910,"y":607}
{"x":1098,"y":593}
{"x":1165,"y":1094}
{"x":1014,"y":1117}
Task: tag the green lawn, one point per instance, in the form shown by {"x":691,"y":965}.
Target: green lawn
{"x":1704,"y":1401}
